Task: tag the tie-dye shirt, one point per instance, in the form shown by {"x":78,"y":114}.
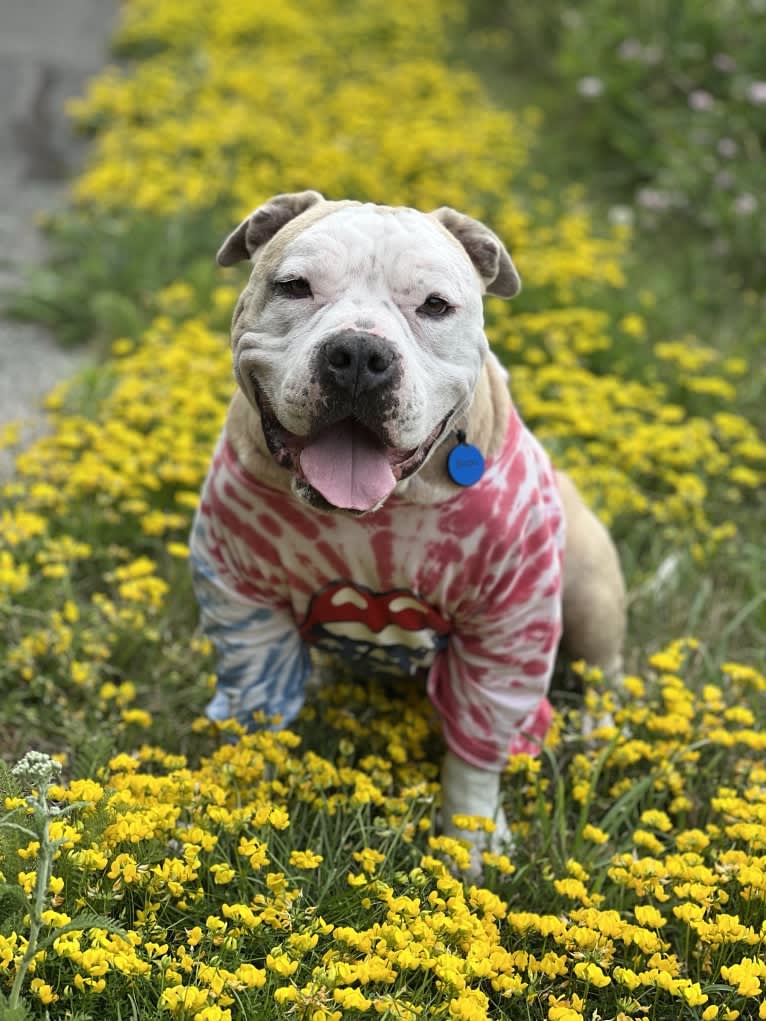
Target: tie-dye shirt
{"x":465,"y":592}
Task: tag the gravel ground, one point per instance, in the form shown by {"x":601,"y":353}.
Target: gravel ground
{"x":48,"y":48}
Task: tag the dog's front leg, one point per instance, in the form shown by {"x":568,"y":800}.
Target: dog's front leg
{"x":262,"y":663}
{"x":470,"y":791}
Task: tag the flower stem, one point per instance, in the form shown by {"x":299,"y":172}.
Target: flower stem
{"x":44,"y":868}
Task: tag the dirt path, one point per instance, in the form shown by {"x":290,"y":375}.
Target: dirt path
{"x":47,"y":50}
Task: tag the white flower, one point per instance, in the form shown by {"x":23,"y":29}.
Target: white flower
{"x":699,"y":99}
{"x":756,"y":93}
{"x":745,"y":204}
{"x":36,"y":768}
{"x":590,"y":87}
{"x":621,"y":216}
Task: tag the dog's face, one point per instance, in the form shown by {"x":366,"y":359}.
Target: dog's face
{"x":359,"y":337}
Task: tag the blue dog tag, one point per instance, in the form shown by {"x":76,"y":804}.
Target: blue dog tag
{"x":465,"y":463}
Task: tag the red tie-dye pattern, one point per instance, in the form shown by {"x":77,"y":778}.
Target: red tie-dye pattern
{"x":487,"y":562}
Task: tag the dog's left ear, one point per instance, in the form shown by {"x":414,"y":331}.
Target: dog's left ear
{"x":262,"y":224}
{"x":485,"y":250}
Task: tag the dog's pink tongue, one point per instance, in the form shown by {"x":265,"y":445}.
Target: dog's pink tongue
{"x":348,"y":466}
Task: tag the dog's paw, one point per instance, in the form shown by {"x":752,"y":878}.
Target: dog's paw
{"x":471,"y":810}
{"x":480,"y":834}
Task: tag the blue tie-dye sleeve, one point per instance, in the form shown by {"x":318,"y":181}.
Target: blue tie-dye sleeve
{"x":262,"y":662}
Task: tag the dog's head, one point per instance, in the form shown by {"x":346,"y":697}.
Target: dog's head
{"x":359,"y":337}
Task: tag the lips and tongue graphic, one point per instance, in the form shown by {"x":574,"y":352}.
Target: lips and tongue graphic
{"x":348,"y":465}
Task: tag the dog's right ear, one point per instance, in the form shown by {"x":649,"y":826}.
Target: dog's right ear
{"x":261,"y":225}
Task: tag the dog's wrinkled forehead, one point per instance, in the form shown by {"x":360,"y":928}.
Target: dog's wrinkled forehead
{"x":397,"y":250}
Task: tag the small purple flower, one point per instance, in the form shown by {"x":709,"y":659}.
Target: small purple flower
{"x":590,"y":87}
{"x":701,"y":100}
{"x":724,"y":180}
{"x":756,"y":93}
{"x":653,"y":198}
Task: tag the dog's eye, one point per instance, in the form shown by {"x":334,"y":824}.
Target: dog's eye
{"x":295,"y":287}
{"x":435,"y":307}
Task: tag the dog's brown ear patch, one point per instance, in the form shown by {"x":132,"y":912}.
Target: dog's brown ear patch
{"x":485,"y":250}
{"x":261,"y":225}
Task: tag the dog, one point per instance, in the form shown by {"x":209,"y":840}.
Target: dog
{"x":375,"y":493}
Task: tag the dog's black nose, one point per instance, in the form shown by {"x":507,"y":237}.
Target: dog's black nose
{"x":357,"y":362}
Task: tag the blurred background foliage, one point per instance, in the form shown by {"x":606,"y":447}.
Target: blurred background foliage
{"x":660,"y":105}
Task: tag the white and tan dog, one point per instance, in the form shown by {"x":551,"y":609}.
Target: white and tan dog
{"x":347,"y":506}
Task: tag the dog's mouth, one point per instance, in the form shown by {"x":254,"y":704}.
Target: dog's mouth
{"x":346,"y":465}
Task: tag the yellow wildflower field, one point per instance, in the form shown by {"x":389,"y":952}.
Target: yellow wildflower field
{"x":179,"y":870}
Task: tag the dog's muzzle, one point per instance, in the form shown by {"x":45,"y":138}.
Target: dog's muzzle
{"x":348,"y":461}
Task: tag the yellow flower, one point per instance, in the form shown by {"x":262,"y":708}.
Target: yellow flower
{"x":576,"y":889}
{"x":250,"y":976}
{"x":213,"y":1013}
{"x":746,"y":976}
{"x":351,"y":999}
{"x":26,"y":881}
{"x":501,"y":862}
{"x":31,"y":850}
{"x":633,"y":325}
{"x":594,"y":834}
{"x":647,"y":914}
{"x":279,"y":818}
{"x":14,"y":578}
{"x":692,"y":840}
{"x":656,"y":819}
{"x":222,"y":873}
{"x":369,"y":859}
{"x":255,"y":851}
{"x":592,"y":974}
{"x":564,"y":1014}
{"x":180,"y":998}
{"x":643,"y":838}
{"x":470,"y":1005}
{"x":281,"y":964}
{"x":474,"y":823}
{"x":43,"y":991}
{"x":137,"y":717}
{"x":305,"y":859}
